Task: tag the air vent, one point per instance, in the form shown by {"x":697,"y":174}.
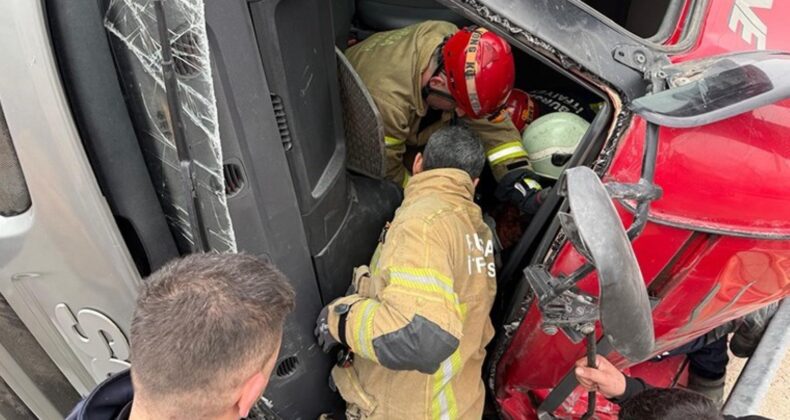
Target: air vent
{"x":287,"y":366}
{"x":187,"y":55}
{"x":234,"y":178}
{"x":282,"y":121}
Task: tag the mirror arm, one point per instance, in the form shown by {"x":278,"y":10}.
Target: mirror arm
{"x":567,"y":283}
{"x":648,"y":165}
{"x":648,"y":174}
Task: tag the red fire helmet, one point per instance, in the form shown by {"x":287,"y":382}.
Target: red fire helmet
{"x":480,"y":71}
{"x":522,"y":109}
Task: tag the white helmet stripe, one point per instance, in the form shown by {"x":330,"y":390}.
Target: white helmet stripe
{"x":471,"y":68}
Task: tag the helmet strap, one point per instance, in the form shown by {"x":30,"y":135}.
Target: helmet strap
{"x":559,"y":159}
{"x":427,"y":90}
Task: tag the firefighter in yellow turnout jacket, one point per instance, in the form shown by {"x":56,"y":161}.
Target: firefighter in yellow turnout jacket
{"x":418,"y":326}
{"x":465,"y":76}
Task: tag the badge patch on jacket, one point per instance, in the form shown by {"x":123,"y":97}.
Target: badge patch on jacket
{"x":479,"y":264}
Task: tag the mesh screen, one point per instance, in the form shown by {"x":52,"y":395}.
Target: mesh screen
{"x":362,"y":123}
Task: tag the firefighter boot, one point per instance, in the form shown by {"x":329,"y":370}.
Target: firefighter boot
{"x":711,"y":388}
{"x":748,"y":334}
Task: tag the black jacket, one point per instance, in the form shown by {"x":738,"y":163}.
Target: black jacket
{"x":111,"y":400}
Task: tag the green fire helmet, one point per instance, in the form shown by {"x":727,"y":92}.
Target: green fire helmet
{"x":551,"y":140}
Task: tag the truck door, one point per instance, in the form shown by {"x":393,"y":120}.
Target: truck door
{"x":703,"y":100}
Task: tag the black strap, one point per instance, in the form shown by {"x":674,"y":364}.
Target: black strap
{"x":341,"y":327}
{"x":568,"y":384}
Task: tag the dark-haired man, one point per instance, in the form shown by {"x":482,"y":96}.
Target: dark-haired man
{"x":640,"y":401}
{"x":418,"y":323}
{"x":204,"y":338}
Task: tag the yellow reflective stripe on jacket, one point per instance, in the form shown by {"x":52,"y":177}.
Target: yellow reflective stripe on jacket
{"x":364,"y":328}
{"x":427,"y":280}
{"x":443,"y":404}
{"x":392,"y":141}
{"x":463,"y":309}
{"x":532,"y":184}
{"x":506,"y":151}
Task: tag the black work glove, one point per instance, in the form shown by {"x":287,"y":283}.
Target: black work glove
{"x":322,"y":334}
{"x":521,"y":188}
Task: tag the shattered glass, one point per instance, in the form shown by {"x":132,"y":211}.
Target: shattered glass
{"x":133,"y":34}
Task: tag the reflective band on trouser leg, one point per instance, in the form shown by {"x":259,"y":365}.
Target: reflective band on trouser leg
{"x":364,"y":328}
{"x":426,"y":280}
{"x":507,"y":151}
{"x":392,"y":141}
{"x":443,"y":404}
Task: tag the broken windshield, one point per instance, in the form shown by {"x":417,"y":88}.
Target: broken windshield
{"x":137,"y":50}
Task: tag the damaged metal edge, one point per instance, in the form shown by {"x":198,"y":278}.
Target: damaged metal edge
{"x":622,"y":118}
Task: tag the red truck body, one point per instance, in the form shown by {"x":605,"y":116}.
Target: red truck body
{"x":717,"y":244}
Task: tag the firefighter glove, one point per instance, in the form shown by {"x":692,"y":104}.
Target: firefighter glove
{"x":322,"y":334}
{"x":520,"y":188}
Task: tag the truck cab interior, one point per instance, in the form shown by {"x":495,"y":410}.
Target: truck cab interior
{"x":282,"y":128}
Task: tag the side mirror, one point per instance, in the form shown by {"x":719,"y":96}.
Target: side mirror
{"x":713,"y":89}
{"x":596,"y":231}
{"x":626,"y":316}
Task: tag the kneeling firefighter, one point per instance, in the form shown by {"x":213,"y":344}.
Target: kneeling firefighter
{"x":418,"y":320}
{"x":430,"y":75}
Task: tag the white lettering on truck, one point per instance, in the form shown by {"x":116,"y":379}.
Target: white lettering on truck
{"x":751,"y":26}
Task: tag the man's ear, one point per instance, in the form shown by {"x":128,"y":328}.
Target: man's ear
{"x":438,"y":82}
{"x":416,"y":167}
{"x":252,"y":388}
{"x":475,"y":182}
{"x":251,"y":391}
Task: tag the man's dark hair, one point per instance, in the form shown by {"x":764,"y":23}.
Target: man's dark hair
{"x":202,"y":319}
{"x":454,"y":147}
{"x":669,"y":404}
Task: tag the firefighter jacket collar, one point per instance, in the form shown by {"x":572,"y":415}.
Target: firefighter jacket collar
{"x":446,"y":181}
{"x":111,"y":400}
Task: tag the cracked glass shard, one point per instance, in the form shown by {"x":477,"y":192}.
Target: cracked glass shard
{"x":135,"y":44}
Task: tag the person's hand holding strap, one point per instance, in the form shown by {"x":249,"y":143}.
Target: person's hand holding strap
{"x":605,"y":378}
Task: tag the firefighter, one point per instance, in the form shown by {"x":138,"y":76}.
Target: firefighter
{"x":417,"y":321}
{"x":522,"y":109}
{"x":550,"y":142}
{"x":431,"y":74}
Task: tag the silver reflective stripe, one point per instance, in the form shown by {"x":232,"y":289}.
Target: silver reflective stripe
{"x":512,"y":150}
{"x":428,"y":280}
{"x":363,"y":331}
{"x":447,"y":371}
